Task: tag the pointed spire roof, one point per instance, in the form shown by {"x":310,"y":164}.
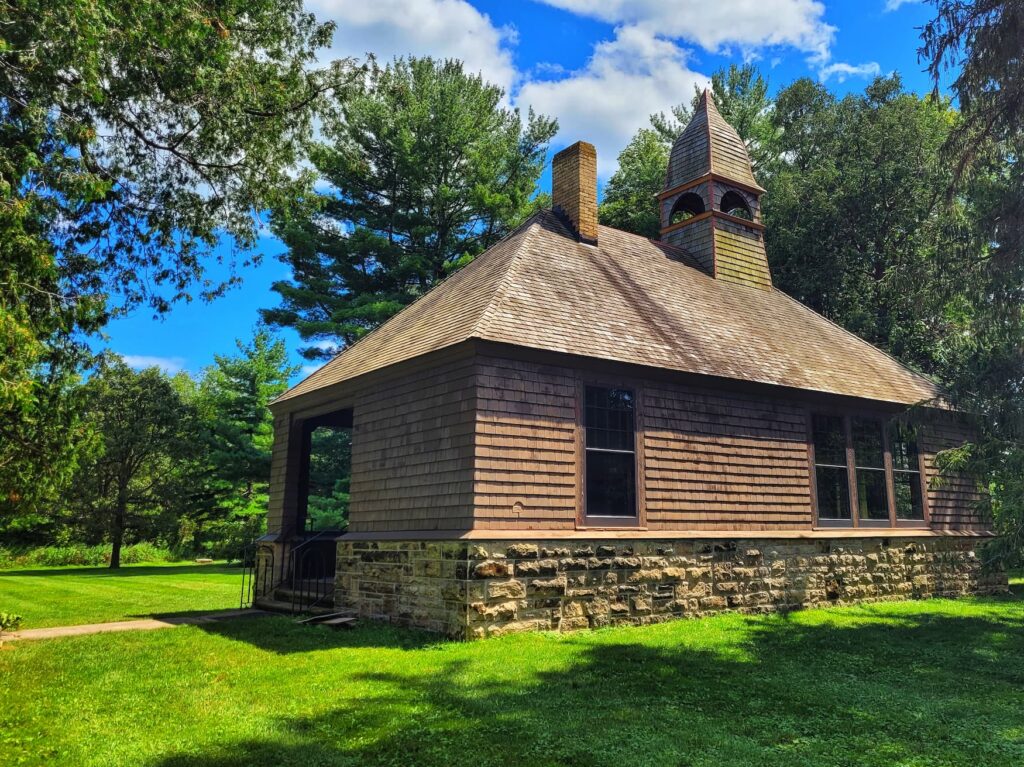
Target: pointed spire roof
{"x":709,"y":145}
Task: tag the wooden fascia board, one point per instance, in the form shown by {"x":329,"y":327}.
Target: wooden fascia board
{"x":532,"y":534}
{"x":682,"y":224}
{"x":631,"y":370}
{"x":709,"y":177}
{"x":713,"y":214}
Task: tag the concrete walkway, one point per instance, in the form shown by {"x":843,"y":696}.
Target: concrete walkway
{"x":144,"y":624}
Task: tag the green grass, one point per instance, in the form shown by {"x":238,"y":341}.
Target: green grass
{"x":63,"y":596}
{"x":919,"y":684}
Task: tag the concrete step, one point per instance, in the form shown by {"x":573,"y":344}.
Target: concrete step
{"x":286,"y":594}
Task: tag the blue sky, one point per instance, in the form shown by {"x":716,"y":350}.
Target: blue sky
{"x":599,"y":66}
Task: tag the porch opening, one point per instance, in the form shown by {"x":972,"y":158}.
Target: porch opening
{"x":326,"y":473}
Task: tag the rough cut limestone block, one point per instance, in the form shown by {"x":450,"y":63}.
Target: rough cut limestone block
{"x":492,"y":588}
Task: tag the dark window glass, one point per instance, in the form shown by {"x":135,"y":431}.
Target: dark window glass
{"x":830,"y":470}
{"x":609,"y":422}
{"x":868,"y":448}
{"x":833,"y":492}
{"x":872,"y":495}
{"x":906,"y":473}
{"x":908,"y":495}
{"x":829,"y":440}
{"x":611,"y":484}
{"x":904,"y":448}
{"x":869,"y":458}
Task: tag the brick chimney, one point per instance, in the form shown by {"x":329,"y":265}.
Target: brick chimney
{"x":574,"y":188}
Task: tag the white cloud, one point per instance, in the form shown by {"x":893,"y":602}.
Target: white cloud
{"x":330,"y":347}
{"x":841,"y":70}
{"x":169,"y":365}
{"x":895,"y":5}
{"x":308,"y":370}
{"x":606,"y":102}
{"x":438,"y":28}
{"x":746,"y":24}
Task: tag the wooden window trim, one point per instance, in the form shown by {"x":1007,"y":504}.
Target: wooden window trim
{"x":583,"y":521}
{"x":855,"y":522}
{"x":922,"y":478}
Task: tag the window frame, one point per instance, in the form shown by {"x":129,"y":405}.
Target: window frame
{"x":586,"y":521}
{"x":855,"y":522}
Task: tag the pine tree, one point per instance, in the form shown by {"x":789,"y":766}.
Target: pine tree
{"x":424,"y":170}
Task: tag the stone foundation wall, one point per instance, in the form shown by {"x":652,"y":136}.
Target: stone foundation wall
{"x":471,"y":589}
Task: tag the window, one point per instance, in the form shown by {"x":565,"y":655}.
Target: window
{"x":869,"y":460}
{"x":733,"y":204}
{"x":687,"y":206}
{"x":830,"y":470}
{"x":883,"y":462}
{"x":610,"y":444}
{"x":906,"y":473}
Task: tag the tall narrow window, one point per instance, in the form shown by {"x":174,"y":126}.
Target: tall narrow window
{"x":869,"y":458}
{"x":906,"y":474}
{"x":609,"y":424}
{"x":830,"y":469}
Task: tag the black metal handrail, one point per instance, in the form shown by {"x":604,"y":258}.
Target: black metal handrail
{"x":309,"y":584}
{"x":258,"y":563}
{"x":304,"y":572}
{"x":300,"y":561}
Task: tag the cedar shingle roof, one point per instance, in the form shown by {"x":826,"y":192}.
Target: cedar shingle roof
{"x":631,"y":300}
{"x":708,"y":145}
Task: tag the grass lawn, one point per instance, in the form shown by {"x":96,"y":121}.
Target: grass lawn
{"x":921,"y":684}
{"x":65,"y":596}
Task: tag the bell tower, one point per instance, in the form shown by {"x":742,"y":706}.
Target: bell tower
{"x":711,"y":206}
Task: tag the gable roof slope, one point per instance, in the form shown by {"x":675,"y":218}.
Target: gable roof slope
{"x":631,"y":300}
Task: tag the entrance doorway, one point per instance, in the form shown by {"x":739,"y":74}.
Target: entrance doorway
{"x":326,"y":474}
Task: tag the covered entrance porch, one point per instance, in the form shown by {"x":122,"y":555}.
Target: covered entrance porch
{"x":293,"y":568}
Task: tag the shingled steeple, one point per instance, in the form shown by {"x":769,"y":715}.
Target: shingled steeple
{"x":711,"y":204}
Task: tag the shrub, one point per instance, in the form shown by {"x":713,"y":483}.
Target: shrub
{"x":80,"y":554}
{"x":144,"y":552}
{"x":8,"y":622}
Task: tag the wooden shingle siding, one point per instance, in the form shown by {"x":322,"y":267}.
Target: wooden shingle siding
{"x":723,"y":461}
{"x":525,"y":446}
{"x":740,"y":256}
{"x":690,"y":157}
{"x":712,"y":461}
{"x":697,"y":240}
{"x":728,"y":152}
{"x":412,"y":452}
{"x":953,"y":500}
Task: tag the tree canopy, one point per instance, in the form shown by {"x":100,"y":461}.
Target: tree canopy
{"x":423,"y":169}
{"x":134,"y":136}
{"x":981,"y":42}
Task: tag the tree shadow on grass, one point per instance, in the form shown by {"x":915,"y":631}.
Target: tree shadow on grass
{"x":281,"y":634}
{"x":858,"y":688}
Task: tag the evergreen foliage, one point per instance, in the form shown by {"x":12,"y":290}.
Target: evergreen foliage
{"x":982,"y":43}
{"x":134,"y":136}
{"x":423,"y":169}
